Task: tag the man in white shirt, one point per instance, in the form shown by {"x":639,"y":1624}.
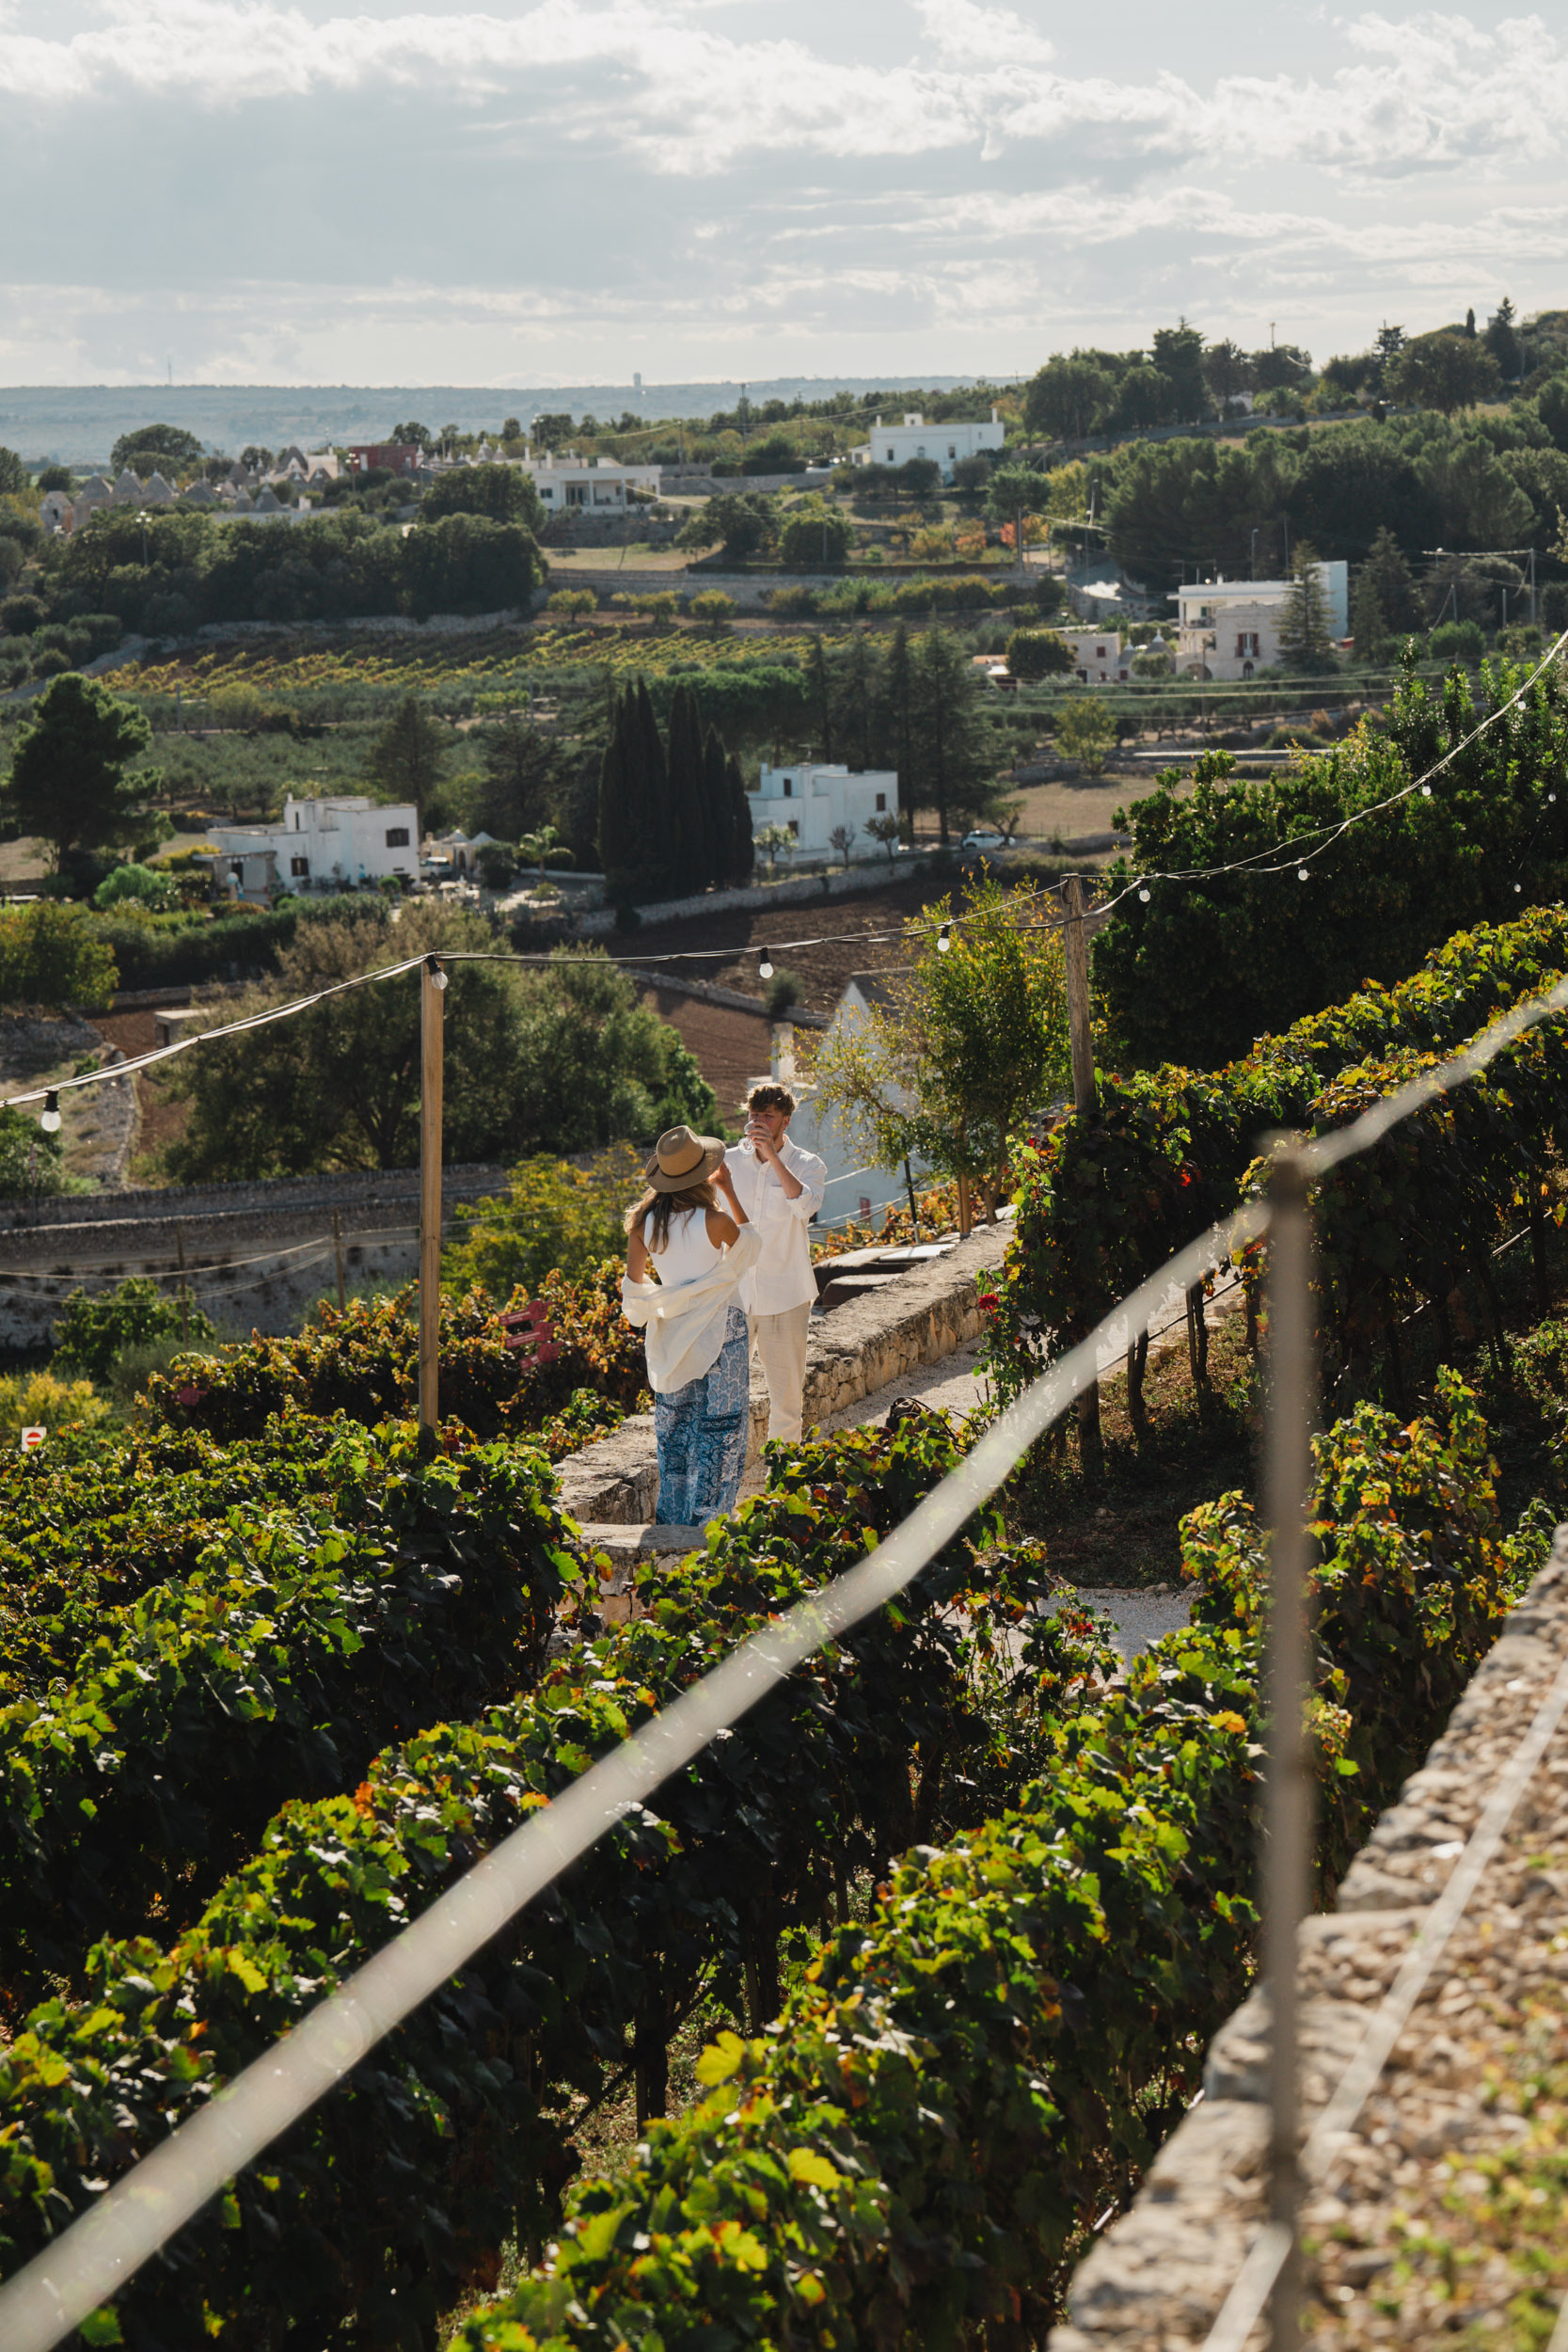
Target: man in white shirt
{"x":780,"y":1188}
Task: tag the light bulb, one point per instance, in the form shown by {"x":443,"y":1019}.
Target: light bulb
{"x":437,"y":978}
{"x":50,"y":1122}
{"x":1301,"y":873}
{"x":944,"y":939}
{"x":1426,"y":791}
{"x":1143,"y":895}
{"x":1517,"y":888}
{"x":1550,"y":798}
{"x":765,"y":969}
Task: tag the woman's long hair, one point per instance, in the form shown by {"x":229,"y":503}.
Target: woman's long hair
{"x":655,"y":1210}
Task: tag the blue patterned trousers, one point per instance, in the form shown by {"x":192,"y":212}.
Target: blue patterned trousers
{"x":701,"y":1431}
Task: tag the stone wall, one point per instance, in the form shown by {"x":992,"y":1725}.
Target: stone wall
{"x":859,"y":1347}
{"x":1156,"y":2281}
{"x":254,"y":1254}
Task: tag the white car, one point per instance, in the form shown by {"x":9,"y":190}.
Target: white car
{"x":983,"y":838}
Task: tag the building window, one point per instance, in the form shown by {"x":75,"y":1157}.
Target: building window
{"x":299,"y":868}
{"x":788,"y":788}
{"x":952,"y":449}
{"x":795,"y":829}
{"x":397,"y":836}
{"x":890,"y":457}
{"x":881,"y":803}
{"x":296,"y":820}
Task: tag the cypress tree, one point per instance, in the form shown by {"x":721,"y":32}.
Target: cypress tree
{"x":820,"y":687}
{"x":650,"y":786}
{"x":689,"y":848}
{"x":617,"y":826}
{"x":742,"y":852}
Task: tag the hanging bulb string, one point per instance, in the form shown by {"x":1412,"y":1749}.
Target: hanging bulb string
{"x":1280,"y":858}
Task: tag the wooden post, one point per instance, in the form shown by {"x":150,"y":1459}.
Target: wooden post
{"x":433,"y":981}
{"x":1075,"y":950}
{"x":915,"y":1212}
{"x":338,"y":1254}
{"x":185,"y":1294}
{"x":966,"y":1210}
{"x":1085,"y":1102}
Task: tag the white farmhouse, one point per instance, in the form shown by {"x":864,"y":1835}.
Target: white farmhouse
{"x":1230,"y":628}
{"x":331,"y":843}
{"x":568,"y":484}
{"x":1099,"y":655}
{"x":814,"y":800}
{"x":944,"y":444}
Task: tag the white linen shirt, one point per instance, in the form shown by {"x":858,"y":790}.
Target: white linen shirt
{"x":782,"y":1277}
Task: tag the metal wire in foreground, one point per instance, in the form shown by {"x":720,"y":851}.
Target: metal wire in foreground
{"x":95,"y":2258}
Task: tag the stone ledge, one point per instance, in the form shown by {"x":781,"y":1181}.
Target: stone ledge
{"x":865,"y":1345}
{"x":1156,"y":2280}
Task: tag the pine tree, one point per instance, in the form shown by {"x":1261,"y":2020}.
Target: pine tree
{"x":949,"y":764}
{"x":1366,"y":619}
{"x":1390,"y":574}
{"x":1303,"y":642}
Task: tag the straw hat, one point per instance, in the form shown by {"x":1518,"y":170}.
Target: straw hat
{"x":681,"y":1158}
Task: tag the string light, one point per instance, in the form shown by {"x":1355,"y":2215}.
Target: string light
{"x":944,"y":939}
{"x":437,"y":978}
{"x":1143,"y":895}
{"x":50,"y":1122}
{"x":1302,"y":873}
{"x":765,"y":969}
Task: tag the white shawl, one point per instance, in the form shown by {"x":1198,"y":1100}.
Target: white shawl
{"x":686,"y":1322}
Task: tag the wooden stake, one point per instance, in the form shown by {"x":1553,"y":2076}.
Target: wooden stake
{"x":338,"y":1253}
{"x":185,"y":1294}
{"x":1075,"y":949}
{"x":1085,"y":1102}
{"x":429,"y":1197}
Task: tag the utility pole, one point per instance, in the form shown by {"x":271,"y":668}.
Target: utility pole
{"x":338,"y":1254}
{"x":433,"y":981}
{"x":1085,"y":1102}
{"x":185,"y":1293}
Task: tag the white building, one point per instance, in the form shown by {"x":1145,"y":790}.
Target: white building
{"x":944,"y":444}
{"x":854,"y":1187}
{"x":331,"y":843}
{"x":1230,"y":628}
{"x":816,"y":800}
{"x":56,"y":512}
{"x":565,"y":484}
{"x":1099,"y":655}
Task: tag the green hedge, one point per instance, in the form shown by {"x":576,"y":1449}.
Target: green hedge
{"x":397,"y":2189}
{"x":963,"y":2086}
{"x":1104,"y":1199}
{"x":954,"y":2090}
{"x":1201,"y":967}
{"x":145,"y":1742}
{"x":364,"y":1361}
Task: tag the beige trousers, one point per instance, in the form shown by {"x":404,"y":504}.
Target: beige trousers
{"x":779,"y":1343}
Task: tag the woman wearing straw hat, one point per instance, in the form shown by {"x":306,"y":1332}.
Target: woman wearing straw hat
{"x":697,"y":1347}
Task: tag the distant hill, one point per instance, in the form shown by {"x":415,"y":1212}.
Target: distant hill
{"x":78,"y":425}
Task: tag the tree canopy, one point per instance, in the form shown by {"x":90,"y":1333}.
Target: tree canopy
{"x":504,"y":494}
{"x":563,"y":1058}
{"x":69,"y":784}
{"x":164,"y":449}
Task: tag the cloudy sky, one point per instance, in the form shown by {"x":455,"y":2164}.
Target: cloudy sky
{"x":574,"y":189}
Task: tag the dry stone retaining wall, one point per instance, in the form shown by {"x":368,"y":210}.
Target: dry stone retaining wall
{"x":862,"y":1347}
{"x":1442,"y":2113}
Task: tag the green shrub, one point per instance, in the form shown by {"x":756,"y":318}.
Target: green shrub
{"x":365,"y":1364}
{"x":554,"y":1218}
{"x":272,"y":1664}
{"x":142,"y":885}
{"x":94,"y":1328}
{"x":51,"y":955}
